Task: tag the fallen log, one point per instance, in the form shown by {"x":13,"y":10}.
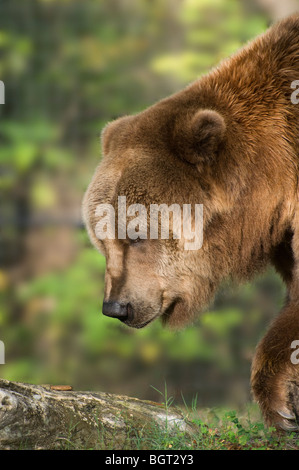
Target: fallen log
{"x":38,"y":417}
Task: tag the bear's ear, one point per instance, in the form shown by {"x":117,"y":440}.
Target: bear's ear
{"x":203,"y":135}
{"x":112,"y":133}
{"x":106,"y":135}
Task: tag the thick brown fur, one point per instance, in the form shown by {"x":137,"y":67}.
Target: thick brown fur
{"x":229,"y":141}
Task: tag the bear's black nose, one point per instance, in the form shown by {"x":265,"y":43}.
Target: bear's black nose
{"x":115,"y":310}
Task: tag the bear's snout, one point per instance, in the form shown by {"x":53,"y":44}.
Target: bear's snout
{"x":126,"y":313}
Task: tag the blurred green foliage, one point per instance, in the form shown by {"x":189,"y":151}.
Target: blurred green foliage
{"x":69,"y":67}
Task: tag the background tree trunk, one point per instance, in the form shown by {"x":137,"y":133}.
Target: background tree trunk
{"x":36,"y":417}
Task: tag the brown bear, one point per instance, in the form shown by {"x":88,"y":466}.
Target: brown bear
{"x":228,"y":142}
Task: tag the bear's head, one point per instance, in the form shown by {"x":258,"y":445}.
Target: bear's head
{"x":186,"y":156}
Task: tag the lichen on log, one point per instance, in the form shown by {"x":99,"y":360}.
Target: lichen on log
{"x":38,"y":417}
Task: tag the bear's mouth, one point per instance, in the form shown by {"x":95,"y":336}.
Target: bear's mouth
{"x":165,"y":316}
